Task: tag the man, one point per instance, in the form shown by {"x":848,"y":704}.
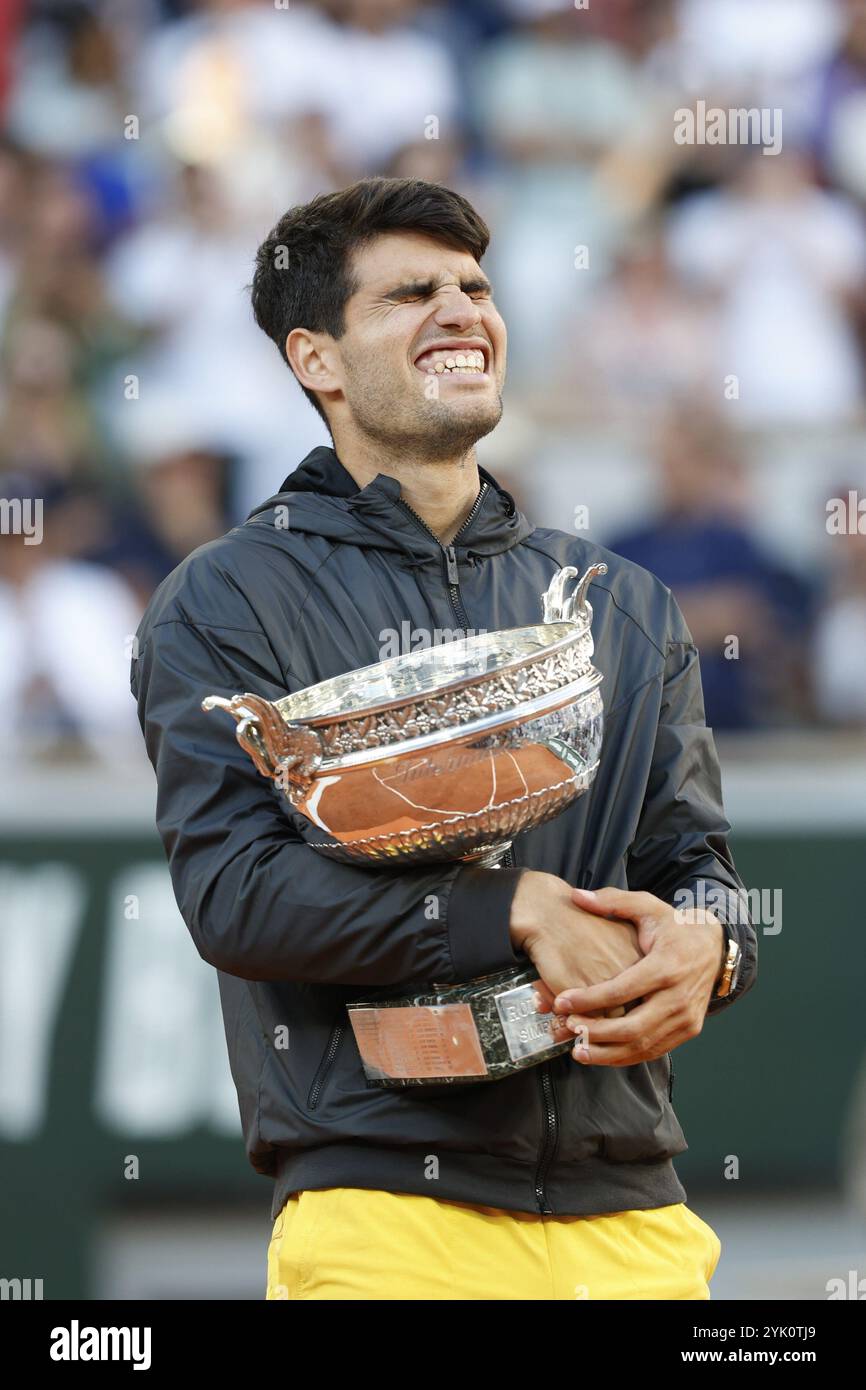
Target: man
{"x":376,"y":299}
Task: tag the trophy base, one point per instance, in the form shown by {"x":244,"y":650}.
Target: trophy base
{"x":484,"y":1030}
{"x":487,"y":856}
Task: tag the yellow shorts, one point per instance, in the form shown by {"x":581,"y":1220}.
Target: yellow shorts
{"x":355,"y":1243}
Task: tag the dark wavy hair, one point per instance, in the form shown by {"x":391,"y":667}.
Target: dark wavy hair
{"x":304,"y":277}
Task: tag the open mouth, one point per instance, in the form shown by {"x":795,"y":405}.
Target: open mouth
{"x":454,"y":361}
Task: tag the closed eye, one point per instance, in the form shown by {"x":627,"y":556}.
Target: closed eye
{"x":409,"y":294}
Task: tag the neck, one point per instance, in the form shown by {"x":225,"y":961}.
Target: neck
{"x":441,"y":491}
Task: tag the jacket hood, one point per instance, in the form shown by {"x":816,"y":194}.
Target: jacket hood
{"x":325,"y":499}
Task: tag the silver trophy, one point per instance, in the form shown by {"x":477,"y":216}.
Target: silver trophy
{"x":444,"y":754}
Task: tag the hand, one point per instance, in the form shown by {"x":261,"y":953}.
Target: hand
{"x":675,"y":978}
{"x":567,"y":944}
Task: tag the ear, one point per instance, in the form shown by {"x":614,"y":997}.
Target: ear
{"x":314,"y":359}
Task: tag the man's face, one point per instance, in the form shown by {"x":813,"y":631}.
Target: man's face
{"x":420,"y":307}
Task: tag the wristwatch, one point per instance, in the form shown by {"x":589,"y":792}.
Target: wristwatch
{"x":732,"y":956}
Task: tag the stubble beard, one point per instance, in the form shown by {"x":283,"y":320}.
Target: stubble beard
{"x":421,"y":428}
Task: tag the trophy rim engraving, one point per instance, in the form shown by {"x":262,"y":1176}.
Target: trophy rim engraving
{"x":461,"y":703}
{"x":290,"y":706}
{"x":497,"y":721}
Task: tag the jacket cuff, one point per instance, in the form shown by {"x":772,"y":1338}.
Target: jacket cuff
{"x":479,"y":914}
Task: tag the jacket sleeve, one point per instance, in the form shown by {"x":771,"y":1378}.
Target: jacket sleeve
{"x":259,"y":902}
{"x":680,"y":852}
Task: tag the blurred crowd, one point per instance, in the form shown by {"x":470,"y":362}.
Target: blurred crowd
{"x":695,"y":311}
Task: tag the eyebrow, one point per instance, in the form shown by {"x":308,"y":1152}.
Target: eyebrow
{"x":428,"y":287}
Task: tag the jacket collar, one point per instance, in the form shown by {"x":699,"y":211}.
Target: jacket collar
{"x":322,"y":472}
{"x":497,"y":525}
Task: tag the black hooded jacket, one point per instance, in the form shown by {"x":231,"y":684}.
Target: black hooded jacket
{"x":310,"y":586}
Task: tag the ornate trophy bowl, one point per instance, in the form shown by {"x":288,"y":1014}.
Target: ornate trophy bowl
{"x":444,"y":754}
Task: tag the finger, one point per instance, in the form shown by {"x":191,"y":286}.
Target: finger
{"x":619,"y":903}
{"x":620,"y":1055}
{"x":644,"y":977}
{"x":543,"y":1004}
{"x":644,"y":1022}
{"x":542,"y":997}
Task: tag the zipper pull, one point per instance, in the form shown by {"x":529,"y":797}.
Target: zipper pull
{"x":451,"y":561}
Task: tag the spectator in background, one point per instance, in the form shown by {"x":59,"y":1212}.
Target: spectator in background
{"x":69,"y":100}
{"x":396,"y":79}
{"x":830,"y":105}
{"x":643,"y":341}
{"x":749,"y":619}
{"x":840,"y":641}
{"x":65,"y":629}
{"x":234,"y":67}
{"x":178,"y":500}
{"x":46,"y":430}
{"x":437,"y":161}
{"x":248,"y":92}
{"x":228,"y":67}
{"x":57,"y":275}
{"x":785,"y":261}
{"x":14,"y":190}
{"x":742,"y":49}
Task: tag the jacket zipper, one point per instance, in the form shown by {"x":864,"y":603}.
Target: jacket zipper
{"x":545,"y":1077}
{"x":450,"y":554}
{"x":325,"y":1066}
{"x":548,"y":1100}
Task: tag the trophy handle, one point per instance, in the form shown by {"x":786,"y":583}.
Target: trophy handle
{"x":556,"y":608}
{"x":283,"y":751}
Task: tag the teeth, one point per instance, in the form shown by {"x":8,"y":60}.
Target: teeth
{"x":460,"y":364}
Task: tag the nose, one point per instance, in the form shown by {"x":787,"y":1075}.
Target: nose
{"x":457,"y":309}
